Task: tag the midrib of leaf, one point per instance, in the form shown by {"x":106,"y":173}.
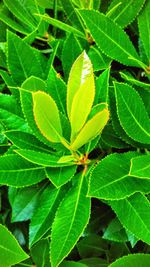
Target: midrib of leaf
{"x":73,"y":217}
{"x":128,"y":108}
{"x":144,"y":168}
{"x":128,"y":54}
{"x":8,"y":250}
{"x":145,"y":226}
{"x":22,"y":170}
{"x":123,"y":10}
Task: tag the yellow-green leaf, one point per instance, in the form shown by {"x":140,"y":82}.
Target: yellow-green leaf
{"x":80,"y":92}
{"x":46,"y":116}
{"x":91,"y":129}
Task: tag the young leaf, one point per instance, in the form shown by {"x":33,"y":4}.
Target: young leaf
{"x":91,"y":129}
{"x":70,"y":44}
{"x":133,"y":213}
{"x":66,"y":232}
{"x":46,"y":116}
{"x":110,"y":179}
{"x":16,"y":171}
{"x":144,"y":27}
{"x":132,"y":260}
{"x":43,"y":216}
{"x":111,"y":39}
{"x":80,"y":90}
{"x":140,"y":167}
{"x":10,"y":250}
{"x":125,"y":11}
{"x":132,"y":113}
{"x":60,"y":176}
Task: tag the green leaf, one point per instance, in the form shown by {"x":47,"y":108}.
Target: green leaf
{"x":91,"y":129}
{"x":134,"y":260}
{"x":71,"y":44}
{"x":123,"y":13}
{"x":24,"y":202}
{"x":140,"y":167}
{"x":40,"y":158}
{"x":115,"y":232}
{"x":22,"y":59}
{"x":65,"y":233}
{"x":99,"y":60}
{"x":61,"y":25}
{"x":72,"y":14}
{"x":60,"y":176}
{"x":144,"y":27}
{"x":72,"y":264}
{"x":102,"y":85}
{"x":110,"y":179}
{"x":43,"y":216}
{"x":40,"y":253}
{"x":10,"y":250}
{"x":133,"y":213}
{"x":132,"y":113}
{"x":80,"y":90}
{"x":46,"y":116}
{"x":26,"y":140}
{"x":16,"y":171}
{"x":57,"y":89}
{"x":129,"y":78}
{"x":94,"y":262}
{"x":111,"y":39}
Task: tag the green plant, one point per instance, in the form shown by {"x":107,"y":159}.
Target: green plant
{"x":75,"y":132}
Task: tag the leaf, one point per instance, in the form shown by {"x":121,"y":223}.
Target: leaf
{"x":10,"y":251}
{"x":72,"y":264}
{"x":66,"y":232}
{"x":144,"y":27}
{"x":26,"y":140}
{"x":24,"y":202}
{"x":99,"y":60}
{"x":22,"y":59}
{"x":132,"y":114}
{"x":110,"y":179}
{"x":94,"y":262}
{"x":72,"y":14}
{"x":111,"y":39}
{"x":80,"y":90}
{"x":91,"y":129}
{"x":129,"y":78}
{"x":40,"y":158}
{"x":16,"y":171}
{"x":71,"y":44}
{"x":133,"y":213}
{"x":46,"y":116}
{"x":40,"y":253}
{"x":61,"y":25}
{"x":57,"y":89}
{"x":133,"y":260}
{"x":115,"y":232}
{"x":102,"y":85}
{"x":125,"y":11}
{"x":140,"y":167}
{"x":60,"y":176}
{"x":43,"y":216}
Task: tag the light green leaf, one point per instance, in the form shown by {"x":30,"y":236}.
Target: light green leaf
{"x":132,"y":113}
{"x":61,"y":25}
{"x":91,"y":129}
{"x":43,"y":216}
{"x":80,"y":90}
{"x":40,"y":158}
{"x":124,"y":12}
{"x":70,"y":221}
{"x":60,"y":176}
{"x":111,"y":39}
{"x":10,"y":250}
{"x":110,"y":179}
{"x":22,"y":60}
{"x":46,"y":116}
{"x":144,"y":27}
{"x":133,"y":260}
{"x":18,"y":172}
{"x":71,"y":44}
{"x":140,"y":167}
{"x":133,"y":213}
